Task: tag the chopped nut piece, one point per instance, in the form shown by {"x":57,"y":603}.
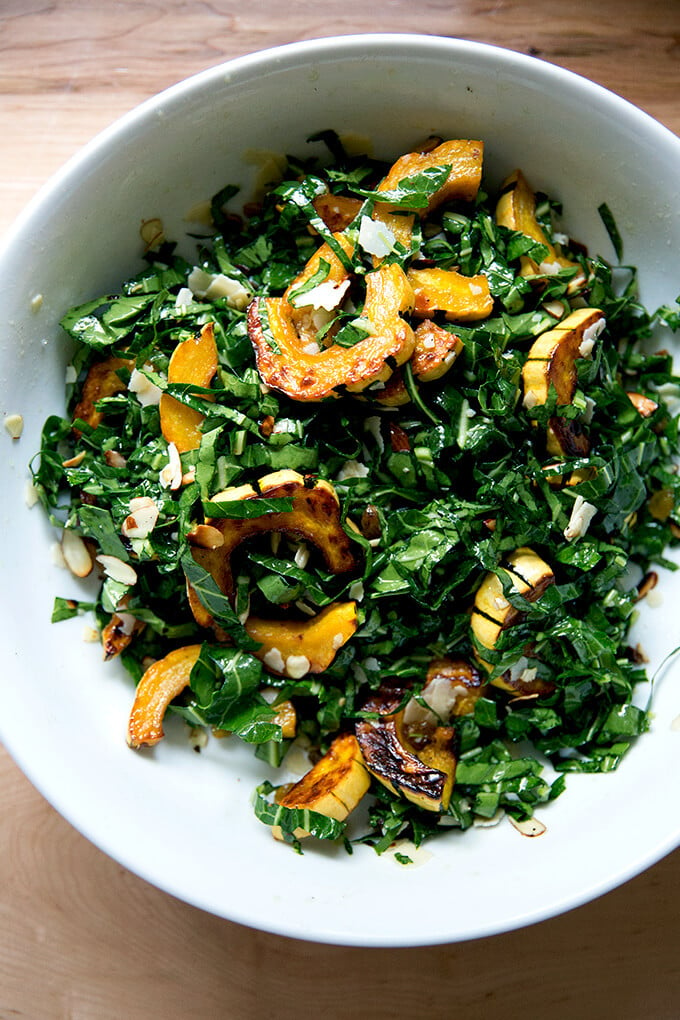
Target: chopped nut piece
{"x":14,"y":423}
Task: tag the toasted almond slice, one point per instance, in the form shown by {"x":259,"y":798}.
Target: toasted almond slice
{"x":117,"y":569}
{"x":76,"y":554}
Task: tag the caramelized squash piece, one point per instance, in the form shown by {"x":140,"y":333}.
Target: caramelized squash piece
{"x":461,"y":298}
{"x":102,"y":380}
{"x":337,"y":211}
{"x":161,"y":683}
{"x":492,"y":613}
{"x":435,"y":351}
{"x":333,"y":787}
{"x":295,"y":648}
{"x":285,"y":363}
{"x":552,"y":357}
{"x":516,"y":210}
{"x":462,"y":155}
{"x":551,"y":362}
{"x":452,"y":688}
{"x":315,"y":517}
{"x":424,"y":776}
{"x":193,"y":361}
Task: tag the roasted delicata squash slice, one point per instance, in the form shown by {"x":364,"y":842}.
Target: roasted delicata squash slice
{"x":337,"y":211}
{"x":102,"y":380}
{"x":551,"y":364}
{"x":452,"y":688}
{"x":551,"y":361}
{"x":435,"y":351}
{"x":516,"y":210}
{"x":161,"y":683}
{"x":423,"y":775}
{"x":333,"y":787}
{"x":492,"y":613}
{"x":463,"y":156}
{"x":285,"y":362}
{"x":314,"y":517}
{"x":295,"y":648}
{"x":460,"y":298}
{"x":193,"y":361}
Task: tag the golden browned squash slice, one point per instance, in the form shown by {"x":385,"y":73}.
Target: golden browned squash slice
{"x":551,"y":362}
{"x":516,"y":209}
{"x":464,"y":156}
{"x":102,"y":380}
{"x":435,"y":351}
{"x":286,"y":364}
{"x":333,"y":787}
{"x":337,"y":211}
{"x":192,"y":361}
{"x":552,"y":357}
{"x":492,"y":613}
{"x":465,"y":159}
{"x":425,"y":775}
{"x":461,"y":298}
{"x":314,"y":517}
{"x":452,"y":688}
{"x":161,"y":683}
{"x":295,"y":648}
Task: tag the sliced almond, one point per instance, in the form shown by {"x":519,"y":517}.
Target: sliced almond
{"x":76,"y":554}
{"x":142,"y":518}
{"x":117,"y":569}
{"x":529,"y":826}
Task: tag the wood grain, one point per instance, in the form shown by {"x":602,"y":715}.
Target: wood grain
{"x":82,"y":938}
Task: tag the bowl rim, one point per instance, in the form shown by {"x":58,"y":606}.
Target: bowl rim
{"x":245,"y":65}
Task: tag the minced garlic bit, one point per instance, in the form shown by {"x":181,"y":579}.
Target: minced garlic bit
{"x":14,"y":424}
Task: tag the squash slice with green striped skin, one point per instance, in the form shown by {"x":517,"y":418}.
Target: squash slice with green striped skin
{"x":516,"y":210}
{"x":333,"y":787}
{"x":492,"y":613}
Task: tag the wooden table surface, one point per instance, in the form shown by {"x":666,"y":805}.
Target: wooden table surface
{"x":82,"y":938}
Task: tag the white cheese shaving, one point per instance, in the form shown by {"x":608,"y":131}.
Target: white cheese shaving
{"x":375,"y":237}
{"x":590,"y":335}
{"x":170,"y":477}
{"x":372,"y":425}
{"x":356,"y":591}
{"x":217,"y":285}
{"x":581,"y":516}
{"x":147,"y":393}
{"x":351,"y":469}
{"x":327,"y":295}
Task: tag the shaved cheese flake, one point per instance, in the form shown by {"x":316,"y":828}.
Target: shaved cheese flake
{"x":581,"y":516}
{"x":375,"y":237}
{"x":327,"y":295}
{"x":147,"y":393}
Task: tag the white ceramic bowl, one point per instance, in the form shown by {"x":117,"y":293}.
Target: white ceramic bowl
{"x":183,"y":821}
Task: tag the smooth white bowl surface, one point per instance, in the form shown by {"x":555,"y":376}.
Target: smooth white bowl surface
{"x":183,"y":821}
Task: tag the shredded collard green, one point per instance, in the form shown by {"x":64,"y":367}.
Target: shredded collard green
{"x":436,"y":492}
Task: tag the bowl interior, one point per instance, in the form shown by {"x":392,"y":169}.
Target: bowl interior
{"x":181,"y":820}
